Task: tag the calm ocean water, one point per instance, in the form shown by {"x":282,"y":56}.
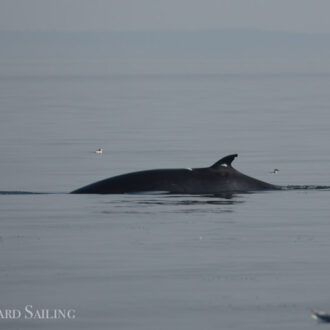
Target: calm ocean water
{"x":248,"y":261}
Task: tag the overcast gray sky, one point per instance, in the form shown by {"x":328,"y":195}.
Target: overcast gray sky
{"x":128,"y":15}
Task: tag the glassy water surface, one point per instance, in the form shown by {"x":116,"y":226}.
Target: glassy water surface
{"x":251,"y":261}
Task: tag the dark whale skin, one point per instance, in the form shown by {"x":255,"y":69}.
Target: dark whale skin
{"x":219,"y":178}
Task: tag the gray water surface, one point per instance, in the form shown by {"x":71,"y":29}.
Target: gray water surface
{"x":246,"y":261}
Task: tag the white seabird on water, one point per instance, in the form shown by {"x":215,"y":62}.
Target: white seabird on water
{"x":99,"y":151}
{"x":321,"y":316}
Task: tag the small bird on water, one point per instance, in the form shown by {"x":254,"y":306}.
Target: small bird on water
{"x":274,"y":171}
{"x":321,"y":316}
{"x":99,"y":151}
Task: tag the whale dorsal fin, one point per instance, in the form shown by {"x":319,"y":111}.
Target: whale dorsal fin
{"x":225,"y":161}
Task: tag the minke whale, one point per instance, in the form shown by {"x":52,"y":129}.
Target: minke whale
{"x":219,"y":178}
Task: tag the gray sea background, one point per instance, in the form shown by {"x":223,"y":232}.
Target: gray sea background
{"x":247,"y":261}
